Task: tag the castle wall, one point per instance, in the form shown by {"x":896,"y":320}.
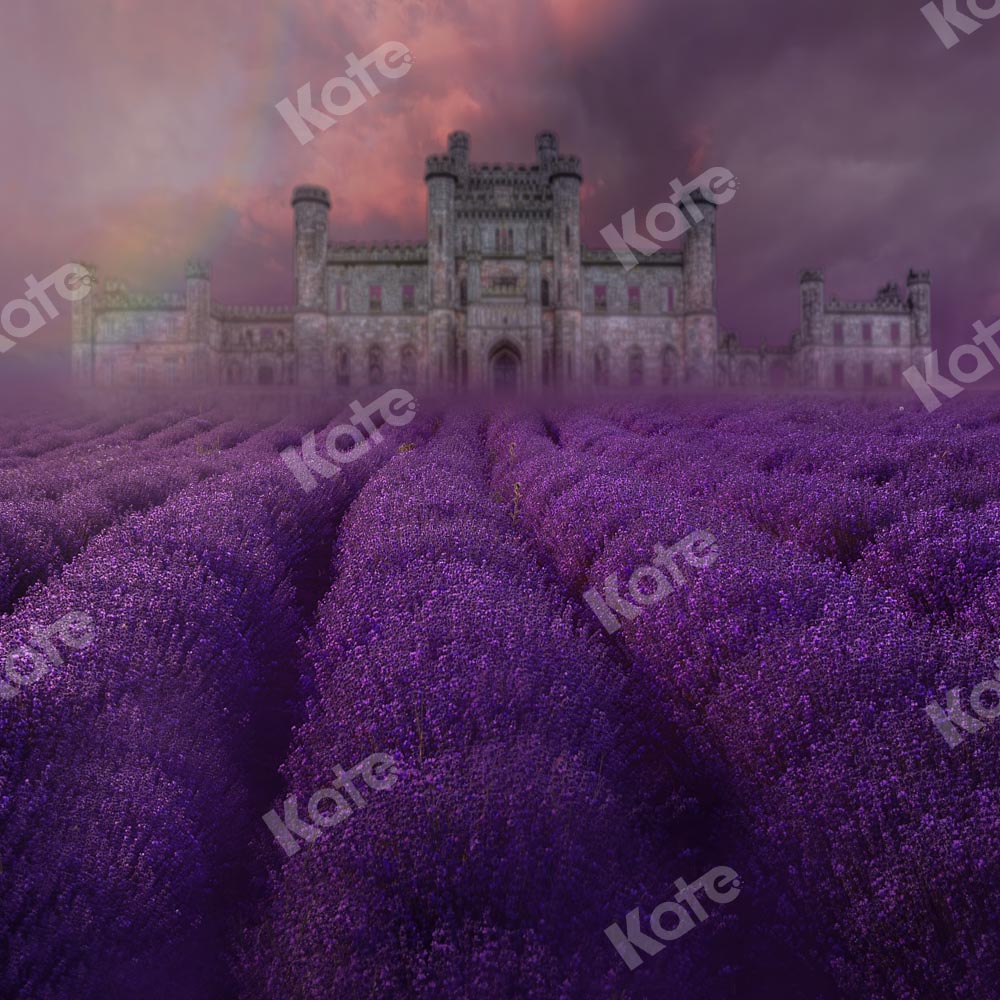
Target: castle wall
{"x":501,"y":285}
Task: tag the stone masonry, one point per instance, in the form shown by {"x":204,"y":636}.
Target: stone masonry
{"x":502,"y":295}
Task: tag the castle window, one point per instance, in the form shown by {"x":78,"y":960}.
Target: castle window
{"x":635,"y":367}
{"x":669,"y":365}
{"x":375,"y":298}
{"x":408,"y":365}
{"x":894,"y":333}
{"x":407,"y":298}
{"x":602,"y":366}
{"x":634,"y":299}
{"x":510,"y":240}
{"x":545,"y":242}
{"x":868,"y":374}
{"x":343,"y":367}
{"x":838,"y":333}
{"x":375,"y":365}
{"x":463,"y":293}
{"x":545,"y":291}
{"x":600,"y":298}
{"x":496,"y":240}
{"x":866,"y":333}
{"x":838,"y":374}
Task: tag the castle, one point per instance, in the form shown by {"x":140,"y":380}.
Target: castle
{"x":502,"y":295}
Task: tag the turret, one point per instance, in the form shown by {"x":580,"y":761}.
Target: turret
{"x":698,"y":282}
{"x":442,"y":178}
{"x":565,"y":178}
{"x":546,"y":148}
{"x":458,"y":149}
{"x":919,"y":285}
{"x":811,"y":296}
{"x":312,"y":210}
{"x":83,"y":331}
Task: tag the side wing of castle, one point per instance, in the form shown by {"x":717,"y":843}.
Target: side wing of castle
{"x":502,"y":295}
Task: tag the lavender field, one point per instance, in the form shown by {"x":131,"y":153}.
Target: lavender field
{"x":483,"y":728}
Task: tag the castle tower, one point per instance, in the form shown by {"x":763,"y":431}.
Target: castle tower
{"x":312,"y":210}
{"x":811,"y":297}
{"x":442,"y":177}
{"x":919,"y":285}
{"x":701,"y":332}
{"x":812,"y":353}
{"x":198,"y":296}
{"x":82,"y":323}
{"x":565,"y":178}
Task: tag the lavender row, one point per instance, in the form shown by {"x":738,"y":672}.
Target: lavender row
{"x":774,"y":663}
{"x":126,"y":812}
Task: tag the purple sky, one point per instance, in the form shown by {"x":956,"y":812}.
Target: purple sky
{"x":138,"y":134}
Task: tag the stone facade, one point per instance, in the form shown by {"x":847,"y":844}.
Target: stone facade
{"x":502,"y":295}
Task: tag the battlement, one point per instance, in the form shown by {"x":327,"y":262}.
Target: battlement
{"x":114,"y":295}
{"x":311,"y":192}
{"x":441,"y":166}
{"x":276,"y":313}
{"x":596,"y":255}
{"x":199,"y":268}
{"x":386,"y":251}
{"x":811,"y":276}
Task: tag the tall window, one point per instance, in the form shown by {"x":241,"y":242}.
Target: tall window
{"x":866,"y":333}
{"x":838,"y":333}
{"x":634,"y":299}
{"x":545,"y":242}
{"x":635,"y":367}
{"x":669,"y":365}
{"x":545,"y":291}
{"x":408,"y":365}
{"x":600,"y":298}
{"x":602,"y":366}
{"x":463,"y":292}
{"x":408,"y":298}
{"x":375,"y":298}
{"x":496,"y":240}
{"x":375,"y":365}
{"x":894,"y":333}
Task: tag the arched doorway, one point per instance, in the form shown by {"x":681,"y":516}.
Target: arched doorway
{"x":505,"y":368}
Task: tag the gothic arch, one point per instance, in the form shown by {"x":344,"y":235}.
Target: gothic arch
{"x":505,"y":366}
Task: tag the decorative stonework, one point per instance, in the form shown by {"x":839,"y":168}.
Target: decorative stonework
{"x":501,"y":292}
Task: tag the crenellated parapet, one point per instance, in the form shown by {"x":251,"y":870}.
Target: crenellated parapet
{"x":384,"y":252}
{"x":237,"y":313}
{"x":199,"y":268}
{"x":115,"y":295}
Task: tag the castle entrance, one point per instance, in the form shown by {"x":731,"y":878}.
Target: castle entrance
{"x":505,"y":368}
